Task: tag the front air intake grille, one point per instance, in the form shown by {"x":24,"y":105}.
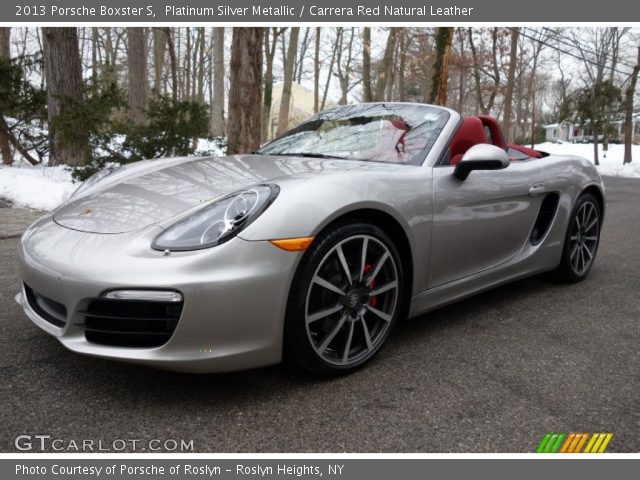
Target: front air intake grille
{"x":53,"y":312}
{"x":130,"y":323}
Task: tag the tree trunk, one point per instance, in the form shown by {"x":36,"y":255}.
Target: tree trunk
{"x":329,"y":74}
{"x":301,"y":56}
{"x":200,"y":83}
{"x":186,"y":79}
{"x":174,"y":63}
{"x":94,"y":54}
{"x":63,"y":71}
{"x":137,"y":74}
{"x":316,"y":73}
{"x":403,"y":62}
{"x":440,"y":81}
{"x":285,"y":100}
{"x":270,"y":45}
{"x":5,"y":132}
{"x":159,"y":49}
{"x":366,"y":65}
{"x":511,"y":77}
{"x":594,"y":131}
{"x":628,"y":111}
{"x":245,"y":91}
{"x":386,"y":65}
{"x":217,"y":104}
{"x":533,"y":112}
{"x":5,"y":55}
{"x":476,"y":74}
{"x":461,"y":72}
{"x":444,"y":75}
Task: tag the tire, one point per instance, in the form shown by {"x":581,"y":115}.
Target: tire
{"x":581,"y":241}
{"x":336,"y":322}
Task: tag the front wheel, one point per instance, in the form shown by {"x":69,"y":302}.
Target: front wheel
{"x":345,"y":298}
{"x":581,"y":243}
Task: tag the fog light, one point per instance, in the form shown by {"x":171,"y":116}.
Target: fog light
{"x":144,"y":295}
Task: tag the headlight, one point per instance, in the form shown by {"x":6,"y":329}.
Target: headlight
{"x":95,"y":178}
{"x":218,"y":222}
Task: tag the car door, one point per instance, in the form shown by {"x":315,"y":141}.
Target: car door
{"x":483,"y":221}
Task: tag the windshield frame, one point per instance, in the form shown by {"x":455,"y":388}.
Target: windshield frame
{"x":421,"y":158}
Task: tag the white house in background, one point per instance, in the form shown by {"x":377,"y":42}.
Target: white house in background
{"x":563,"y":132}
{"x":571,"y":132}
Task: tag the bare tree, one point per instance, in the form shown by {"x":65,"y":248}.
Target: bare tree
{"x":173,"y":59}
{"x":301,"y":56}
{"x":159,"y":51}
{"x":5,"y":55}
{"x":479,"y":69}
{"x":511,"y":78}
{"x":366,"y":65}
{"x":199,"y":83}
{"x":316,"y":72}
{"x":462,"y":69}
{"x":285,"y":99}
{"x":329,"y":74}
{"x":595,"y":60}
{"x":245,"y":90}
{"x":137,"y":74}
{"x":344,"y":67}
{"x":270,"y":43}
{"x":109,"y":72}
{"x":63,"y":71}
{"x":386,"y":65}
{"x":217,"y":103}
{"x":628,"y":111}
{"x":444,"y":38}
{"x":94,"y":54}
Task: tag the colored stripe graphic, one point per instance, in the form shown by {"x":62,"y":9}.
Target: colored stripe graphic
{"x":570,"y":439}
{"x":581,"y":443}
{"x":550,"y":443}
{"x":556,"y":442}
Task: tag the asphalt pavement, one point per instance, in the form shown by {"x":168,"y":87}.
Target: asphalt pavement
{"x":493,"y":373}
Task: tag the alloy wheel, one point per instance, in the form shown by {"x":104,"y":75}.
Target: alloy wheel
{"x":351,"y":300}
{"x":583,"y":241}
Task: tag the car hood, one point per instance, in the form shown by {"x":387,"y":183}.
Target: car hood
{"x":150,"y":192}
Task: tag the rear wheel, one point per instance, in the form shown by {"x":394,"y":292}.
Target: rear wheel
{"x":581,"y":243}
{"x":345,"y":299}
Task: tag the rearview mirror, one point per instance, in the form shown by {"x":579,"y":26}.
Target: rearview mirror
{"x":481,"y":157}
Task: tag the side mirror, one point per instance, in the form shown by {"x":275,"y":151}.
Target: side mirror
{"x":481,"y":157}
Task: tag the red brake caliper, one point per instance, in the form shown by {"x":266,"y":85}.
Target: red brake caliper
{"x":372,"y":300}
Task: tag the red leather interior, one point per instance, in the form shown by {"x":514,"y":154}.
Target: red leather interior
{"x":530,"y":152}
{"x":470,"y":133}
{"x":494,"y":128}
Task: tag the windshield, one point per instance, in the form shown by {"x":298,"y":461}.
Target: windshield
{"x":391,"y":133}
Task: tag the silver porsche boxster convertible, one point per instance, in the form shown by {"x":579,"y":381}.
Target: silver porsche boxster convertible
{"x":310,"y":249}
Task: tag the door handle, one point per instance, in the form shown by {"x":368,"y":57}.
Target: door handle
{"x":537,"y":189}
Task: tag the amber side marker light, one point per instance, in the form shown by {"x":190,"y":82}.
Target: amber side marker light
{"x":293,"y":244}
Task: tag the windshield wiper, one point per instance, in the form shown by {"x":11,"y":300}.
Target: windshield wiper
{"x":310,"y":155}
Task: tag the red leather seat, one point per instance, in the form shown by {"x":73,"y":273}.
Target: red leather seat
{"x":470,"y":133}
{"x":530,"y":152}
{"x":494,"y":130}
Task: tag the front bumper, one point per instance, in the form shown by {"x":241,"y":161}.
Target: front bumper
{"x":235,"y":294}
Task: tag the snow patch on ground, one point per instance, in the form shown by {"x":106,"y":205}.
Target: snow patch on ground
{"x":40,"y":187}
{"x":610,"y":165}
{"x":208,"y":147}
{"x":44,"y":188}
